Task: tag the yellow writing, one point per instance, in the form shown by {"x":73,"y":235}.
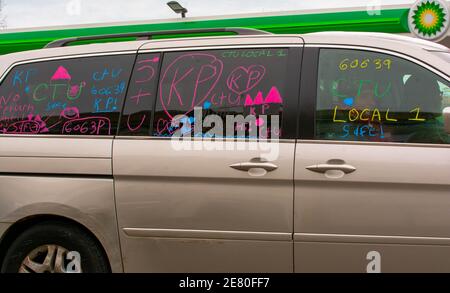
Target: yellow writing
{"x":347,"y":63}
{"x":363,"y":112}
{"x":367,"y":114}
{"x":377,"y":113}
{"x":334,"y":116}
{"x":389,"y":119}
{"x":417,"y":111}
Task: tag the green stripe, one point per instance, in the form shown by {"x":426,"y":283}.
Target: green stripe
{"x":390,"y":21}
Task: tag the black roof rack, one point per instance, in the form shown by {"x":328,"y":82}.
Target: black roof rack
{"x":149,"y":35}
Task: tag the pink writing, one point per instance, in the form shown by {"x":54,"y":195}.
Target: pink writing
{"x":242,"y":79}
{"x":202,"y":76}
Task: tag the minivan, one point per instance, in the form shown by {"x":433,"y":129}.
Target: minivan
{"x":252,"y":152}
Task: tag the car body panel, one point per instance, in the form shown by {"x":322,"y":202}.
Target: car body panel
{"x":192,"y":200}
{"x":66,"y":177}
{"x":196,"y":255}
{"x":413,"y":180}
{"x":263,"y":40}
{"x":396,"y":191}
{"x":88,"y":201}
{"x":323,"y":257}
{"x":51,"y":155}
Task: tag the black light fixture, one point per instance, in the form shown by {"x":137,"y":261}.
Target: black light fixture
{"x":177,"y":8}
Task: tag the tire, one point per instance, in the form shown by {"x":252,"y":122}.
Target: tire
{"x":62,"y":237}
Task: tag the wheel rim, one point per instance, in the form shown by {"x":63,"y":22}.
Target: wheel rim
{"x":48,"y":258}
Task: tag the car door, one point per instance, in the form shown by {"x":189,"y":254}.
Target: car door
{"x":194,"y":191}
{"x":372,"y":171}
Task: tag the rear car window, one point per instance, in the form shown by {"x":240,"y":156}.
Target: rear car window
{"x":370,"y":96}
{"x":82,"y":96}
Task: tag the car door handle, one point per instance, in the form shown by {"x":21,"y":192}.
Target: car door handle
{"x":253,"y":165}
{"x":322,"y":168}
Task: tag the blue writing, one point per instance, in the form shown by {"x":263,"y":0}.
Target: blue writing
{"x":18,"y":77}
{"x":105,"y":105}
{"x":106,"y":73}
{"x":117,"y":89}
{"x":362,"y":131}
{"x":55,"y":105}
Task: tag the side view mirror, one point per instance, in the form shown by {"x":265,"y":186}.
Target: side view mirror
{"x":446,"y":115}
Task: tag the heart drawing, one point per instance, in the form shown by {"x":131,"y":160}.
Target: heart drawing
{"x":242,"y":79}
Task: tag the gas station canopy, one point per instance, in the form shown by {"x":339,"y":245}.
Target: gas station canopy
{"x":388,"y":19}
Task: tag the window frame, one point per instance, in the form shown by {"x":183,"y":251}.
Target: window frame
{"x":126,"y":99}
{"x":289,"y":124}
{"x":13,"y":65}
{"x":308,"y":95}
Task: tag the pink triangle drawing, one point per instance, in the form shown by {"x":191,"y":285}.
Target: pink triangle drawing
{"x":273,"y":97}
{"x":61,"y":74}
{"x":248,"y":101}
{"x":259,"y":99}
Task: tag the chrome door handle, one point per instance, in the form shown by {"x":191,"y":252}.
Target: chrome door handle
{"x":253,"y":165}
{"x":322,"y":168}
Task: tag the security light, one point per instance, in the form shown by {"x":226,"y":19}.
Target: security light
{"x":177,"y":8}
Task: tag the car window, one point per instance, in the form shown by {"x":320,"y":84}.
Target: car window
{"x":82,"y":96}
{"x":136,"y":117}
{"x":236,"y":93}
{"x":370,"y":96}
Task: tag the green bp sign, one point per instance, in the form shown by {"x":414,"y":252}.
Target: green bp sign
{"x":429,"y":19}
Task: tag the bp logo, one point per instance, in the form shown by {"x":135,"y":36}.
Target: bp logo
{"x":429,"y":19}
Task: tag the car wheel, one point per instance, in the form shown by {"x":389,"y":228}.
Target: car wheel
{"x":54,"y":247}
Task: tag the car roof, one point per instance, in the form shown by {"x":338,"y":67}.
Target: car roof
{"x":132,"y":46}
{"x":390,"y":41}
{"x":9,"y":59}
{"x":416,"y":48}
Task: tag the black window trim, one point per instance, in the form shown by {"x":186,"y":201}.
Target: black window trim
{"x":308,"y":94}
{"x":119,"y":121}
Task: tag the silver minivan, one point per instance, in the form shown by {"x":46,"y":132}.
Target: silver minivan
{"x":323,"y":152}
